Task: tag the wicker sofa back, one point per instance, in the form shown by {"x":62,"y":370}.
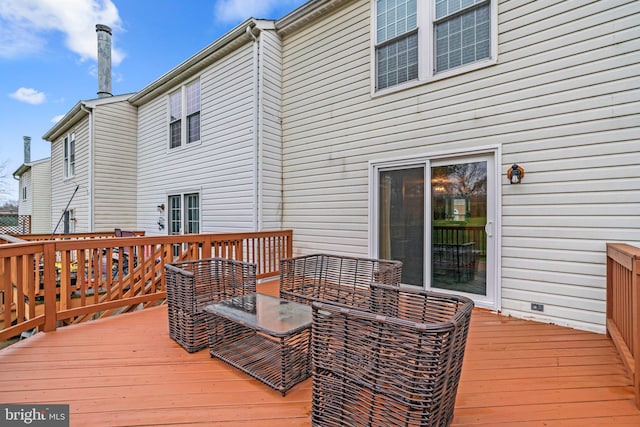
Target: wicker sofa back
{"x":398,"y":364}
{"x":335,"y":279}
{"x":191,"y":285}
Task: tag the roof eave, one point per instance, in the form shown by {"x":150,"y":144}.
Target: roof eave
{"x":306,"y":13}
{"x":230,"y":41}
{"x":69,"y":119}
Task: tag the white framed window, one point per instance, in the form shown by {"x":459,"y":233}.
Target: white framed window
{"x":184,"y":213}
{"x":421,"y":40}
{"x":69,"y":155}
{"x":184,"y":115}
{"x":24,"y":193}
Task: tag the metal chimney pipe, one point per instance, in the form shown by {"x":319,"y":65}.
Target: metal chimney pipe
{"x":27,"y":149}
{"x":104,"y":60}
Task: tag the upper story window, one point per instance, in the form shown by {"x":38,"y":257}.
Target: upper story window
{"x":418,"y":40}
{"x":69,"y":155}
{"x":24,"y":193}
{"x":184,"y":107}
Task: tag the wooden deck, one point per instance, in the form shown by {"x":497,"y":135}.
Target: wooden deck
{"x":126,"y":371}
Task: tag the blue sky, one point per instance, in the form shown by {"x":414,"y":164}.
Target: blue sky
{"x":48,"y":56}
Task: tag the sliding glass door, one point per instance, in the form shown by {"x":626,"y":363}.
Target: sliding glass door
{"x":442,"y":232}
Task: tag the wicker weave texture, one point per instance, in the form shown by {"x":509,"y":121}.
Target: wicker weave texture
{"x":335,"y":279}
{"x":191,"y":285}
{"x":398,"y":366}
{"x":279,"y":363}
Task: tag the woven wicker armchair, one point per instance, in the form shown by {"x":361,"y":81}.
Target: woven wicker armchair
{"x":192,"y":285}
{"x":396,"y":365}
{"x":335,"y":279}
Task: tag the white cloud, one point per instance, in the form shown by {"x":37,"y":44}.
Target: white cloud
{"x":28,"y":95}
{"x":24,"y":25}
{"x":56,"y":119}
{"x":238,"y":10}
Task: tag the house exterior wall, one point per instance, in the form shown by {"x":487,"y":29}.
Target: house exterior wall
{"x":25,"y":206}
{"x":62,"y":188}
{"x":270,"y":156}
{"x":220,"y":166}
{"x":114,"y":166}
{"x":40,"y":197}
{"x":562,"y":101}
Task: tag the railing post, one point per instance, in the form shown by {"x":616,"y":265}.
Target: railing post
{"x":635,"y":292}
{"x":609,"y":291}
{"x":49,"y":266}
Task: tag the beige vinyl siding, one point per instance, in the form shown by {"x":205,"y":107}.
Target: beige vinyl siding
{"x":271,"y":132}
{"x":562,"y":101}
{"x":114,"y":167}
{"x":220,"y":167}
{"x":40,"y":197}
{"x":62,"y":188}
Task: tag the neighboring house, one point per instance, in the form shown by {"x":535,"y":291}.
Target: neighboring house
{"x":34,"y":187}
{"x":209,"y":139}
{"x":93,"y":151}
{"x":395,"y":116}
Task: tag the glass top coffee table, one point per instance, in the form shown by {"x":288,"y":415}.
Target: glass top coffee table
{"x":266,"y":337}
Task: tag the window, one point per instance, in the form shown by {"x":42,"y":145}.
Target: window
{"x":70,"y":155}
{"x":69,"y":223}
{"x":192,"y":214}
{"x":184,"y":213}
{"x":24,"y":193}
{"x":184,"y":107}
{"x":415,"y":41}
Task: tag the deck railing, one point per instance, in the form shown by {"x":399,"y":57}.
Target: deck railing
{"x":47,"y":284}
{"x":623,"y":306}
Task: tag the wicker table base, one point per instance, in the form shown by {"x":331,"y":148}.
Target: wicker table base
{"x":266,"y":337}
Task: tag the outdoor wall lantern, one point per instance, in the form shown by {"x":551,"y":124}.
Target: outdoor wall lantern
{"x":515,"y":174}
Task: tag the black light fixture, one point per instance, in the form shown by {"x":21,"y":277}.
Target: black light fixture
{"x":515,"y":174}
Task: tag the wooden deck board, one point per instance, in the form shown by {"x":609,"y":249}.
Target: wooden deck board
{"x":126,"y":371}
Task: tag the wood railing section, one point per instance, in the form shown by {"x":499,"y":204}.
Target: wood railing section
{"x":47,"y":284}
{"x":623,"y":306}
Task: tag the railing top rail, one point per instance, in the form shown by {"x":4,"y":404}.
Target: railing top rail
{"x":624,"y":248}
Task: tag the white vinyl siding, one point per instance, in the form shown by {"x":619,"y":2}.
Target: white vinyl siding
{"x":114,"y":166}
{"x":62,"y":189}
{"x":562,"y":102}
{"x":25,"y":204}
{"x":221,"y":167}
{"x":270,"y":157}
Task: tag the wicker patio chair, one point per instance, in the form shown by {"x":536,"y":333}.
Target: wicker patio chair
{"x":396,"y":365}
{"x":335,"y":279}
{"x":192,"y":285}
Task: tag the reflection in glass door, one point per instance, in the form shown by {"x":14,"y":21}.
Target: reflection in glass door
{"x":442,"y":231}
{"x":458,"y":221}
{"x":401,"y":221}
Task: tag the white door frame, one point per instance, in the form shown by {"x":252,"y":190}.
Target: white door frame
{"x":494,"y":195}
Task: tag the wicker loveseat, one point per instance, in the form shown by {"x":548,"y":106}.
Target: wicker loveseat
{"x":398,"y":364}
{"x":192,"y":285}
{"x":335,"y":279}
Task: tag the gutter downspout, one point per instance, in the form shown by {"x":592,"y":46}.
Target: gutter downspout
{"x":256,"y":125}
{"x":90,"y":218}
